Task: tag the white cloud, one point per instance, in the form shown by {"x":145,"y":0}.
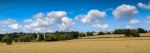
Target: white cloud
{"x":28,"y":21}
{"x":7,"y":22}
{"x":14,"y":26}
{"x":66,"y":24}
{"x":134,"y":21}
{"x":39,"y":15}
{"x":92,"y":16}
{"x":148,"y":17}
{"x":125,"y":11}
{"x":57,"y":15}
{"x":42,"y":22}
{"x":100,"y":26}
{"x":145,"y":6}
{"x":129,"y":27}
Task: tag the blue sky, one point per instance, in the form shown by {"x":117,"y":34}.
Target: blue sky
{"x":20,"y":10}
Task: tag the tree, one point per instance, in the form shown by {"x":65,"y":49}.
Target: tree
{"x":7,"y":39}
{"x":101,"y":33}
{"x":141,"y":30}
{"x":89,"y":33}
{"x":127,"y":34}
{"x":132,"y":32}
{"x":24,"y":38}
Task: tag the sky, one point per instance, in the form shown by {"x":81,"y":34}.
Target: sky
{"x":73,"y":15}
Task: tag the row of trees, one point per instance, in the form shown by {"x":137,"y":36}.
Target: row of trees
{"x":123,"y":31}
{"x":56,"y":36}
{"x":28,"y":37}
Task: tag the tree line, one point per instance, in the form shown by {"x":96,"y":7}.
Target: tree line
{"x":57,"y":36}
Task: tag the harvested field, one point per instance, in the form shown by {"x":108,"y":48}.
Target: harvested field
{"x":94,"y":44}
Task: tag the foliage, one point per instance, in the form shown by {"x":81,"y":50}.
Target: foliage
{"x":120,"y":31}
{"x":89,"y":33}
{"x":101,"y":33}
{"x":133,"y":33}
{"x":52,"y":37}
{"x":24,"y":38}
{"x":82,"y":35}
{"x":1,"y":36}
{"x":108,"y":32}
{"x":141,"y":30}
{"x":61,"y":36}
{"x":7,"y":39}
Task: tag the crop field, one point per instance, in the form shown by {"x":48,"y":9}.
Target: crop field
{"x":94,"y":44}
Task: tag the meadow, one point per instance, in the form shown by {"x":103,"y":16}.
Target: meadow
{"x":93,"y":44}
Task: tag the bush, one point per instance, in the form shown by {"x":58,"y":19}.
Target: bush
{"x":89,"y":33}
{"x":82,"y":35}
{"x":1,"y":36}
{"x":101,"y":33}
{"x":7,"y":39}
{"x":52,"y":37}
{"x":24,"y":38}
{"x":127,"y":33}
{"x":133,"y":33}
{"x":140,"y":30}
{"x":108,"y":33}
{"x":62,"y":36}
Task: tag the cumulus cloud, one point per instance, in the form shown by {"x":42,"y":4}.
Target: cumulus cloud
{"x":128,"y":27}
{"x":41,"y":22}
{"x":28,"y":21}
{"x":7,"y":22}
{"x":57,"y":15}
{"x":134,"y":21}
{"x":39,"y":15}
{"x":14,"y":26}
{"x":145,"y":6}
{"x":125,"y":11}
{"x":100,"y":26}
{"x":92,"y":16}
{"x":66,"y":23}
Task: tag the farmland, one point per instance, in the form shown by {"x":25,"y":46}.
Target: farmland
{"x":92,"y":44}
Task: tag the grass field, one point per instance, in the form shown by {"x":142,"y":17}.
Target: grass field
{"x":94,"y":44}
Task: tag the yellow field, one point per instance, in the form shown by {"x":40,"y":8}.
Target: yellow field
{"x":95,"y":44}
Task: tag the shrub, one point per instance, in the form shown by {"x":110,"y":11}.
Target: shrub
{"x":133,"y":33}
{"x":108,"y":33}
{"x":140,"y":30}
{"x":120,"y":31}
{"x":1,"y":36}
{"x":52,"y":37}
{"x":24,"y":38}
{"x":82,"y":34}
{"x":89,"y":34}
{"x":127,"y":33}
{"x":101,"y":33}
{"x":66,"y":37}
{"x":7,"y":39}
